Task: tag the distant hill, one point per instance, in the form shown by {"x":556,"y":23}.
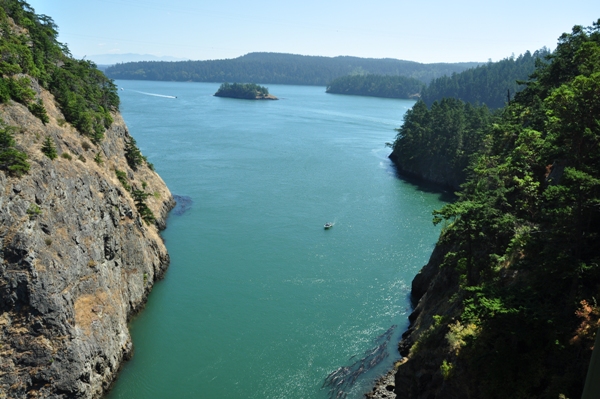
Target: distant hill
{"x":278,"y":68}
{"x":111,"y":59}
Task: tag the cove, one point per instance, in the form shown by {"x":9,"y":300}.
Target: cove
{"x":260,"y":301}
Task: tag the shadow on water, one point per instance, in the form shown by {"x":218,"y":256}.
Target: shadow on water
{"x":341,"y":380}
{"x":445,"y":193}
{"x":183,"y":203}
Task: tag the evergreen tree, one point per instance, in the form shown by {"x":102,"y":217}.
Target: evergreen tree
{"x":11,"y":159}
{"x":133,"y":155}
{"x":48,"y":148}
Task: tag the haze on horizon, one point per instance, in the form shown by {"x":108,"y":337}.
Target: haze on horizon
{"x":435,"y":31}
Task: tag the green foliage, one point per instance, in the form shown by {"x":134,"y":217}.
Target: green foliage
{"x":122,"y":176}
{"x":98,"y":158}
{"x":49,"y":149}
{"x":133,"y":155}
{"x":242,"y":90}
{"x":20,"y":89}
{"x":86,"y":97}
{"x":11,"y":159}
{"x":139,"y":197}
{"x":524,"y":231}
{"x":66,"y":155}
{"x":33,"y":211}
{"x":37,"y":108}
{"x":376,"y":86}
{"x":488,"y":84}
{"x":446,"y":369}
{"x":280,"y":69}
{"x":442,"y":138}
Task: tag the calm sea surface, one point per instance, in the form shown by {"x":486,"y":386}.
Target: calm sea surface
{"x":260,"y":301}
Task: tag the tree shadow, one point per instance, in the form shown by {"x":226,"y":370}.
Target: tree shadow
{"x":445,"y":193}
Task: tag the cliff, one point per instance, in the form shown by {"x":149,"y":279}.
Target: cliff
{"x":432,"y":171}
{"x":77,"y":258}
{"x":418,"y":374}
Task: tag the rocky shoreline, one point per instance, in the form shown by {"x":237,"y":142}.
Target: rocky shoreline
{"x":418,"y":375}
{"x":384,"y":387}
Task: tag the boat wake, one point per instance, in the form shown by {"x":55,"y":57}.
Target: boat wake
{"x":341,"y":380}
{"x":153,"y":94}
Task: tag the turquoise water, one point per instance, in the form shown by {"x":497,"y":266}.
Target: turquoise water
{"x":260,"y":301}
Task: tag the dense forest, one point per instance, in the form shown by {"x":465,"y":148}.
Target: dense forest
{"x":376,"y":86}
{"x":247,"y":91}
{"x":490,"y":84}
{"x":522,"y":240}
{"x":437,"y":143}
{"x":279,"y":68}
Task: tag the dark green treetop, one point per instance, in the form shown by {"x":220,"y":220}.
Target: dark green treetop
{"x":249,"y":91}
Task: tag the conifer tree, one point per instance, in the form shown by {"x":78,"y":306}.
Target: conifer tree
{"x":48,"y":148}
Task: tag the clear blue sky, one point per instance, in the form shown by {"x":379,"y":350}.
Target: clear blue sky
{"x":424,"y":31}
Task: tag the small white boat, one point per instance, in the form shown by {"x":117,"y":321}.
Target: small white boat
{"x":328,"y":225}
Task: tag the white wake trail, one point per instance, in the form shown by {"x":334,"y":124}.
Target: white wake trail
{"x":153,"y":94}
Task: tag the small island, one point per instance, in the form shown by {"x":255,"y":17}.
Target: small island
{"x":246,"y":91}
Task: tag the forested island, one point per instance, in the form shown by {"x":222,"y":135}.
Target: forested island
{"x":510,"y":293}
{"x":246,"y":91}
{"x":376,"y":86}
{"x":277,"y":68}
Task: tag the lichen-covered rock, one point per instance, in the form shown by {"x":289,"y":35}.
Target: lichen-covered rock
{"x":76,"y":258}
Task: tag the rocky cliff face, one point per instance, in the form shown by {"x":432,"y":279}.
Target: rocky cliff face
{"x":418,"y":374}
{"x":436,"y":172}
{"x":77,"y":260}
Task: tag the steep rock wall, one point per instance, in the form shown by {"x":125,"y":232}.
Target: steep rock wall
{"x":418,"y":374}
{"x":435,"y":172}
{"x":72,"y":274}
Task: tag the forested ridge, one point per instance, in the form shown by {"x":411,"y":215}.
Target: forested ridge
{"x":376,"y":86}
{"x":491,"y":84}
{"x":520,"y":248}
{"x":277,"y":68}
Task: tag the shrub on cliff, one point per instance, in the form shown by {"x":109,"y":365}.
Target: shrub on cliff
{"x":139,"y":197}
{"x":11,"y":159}
{"x":48,"y":148}
{"x":133,"y":155}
